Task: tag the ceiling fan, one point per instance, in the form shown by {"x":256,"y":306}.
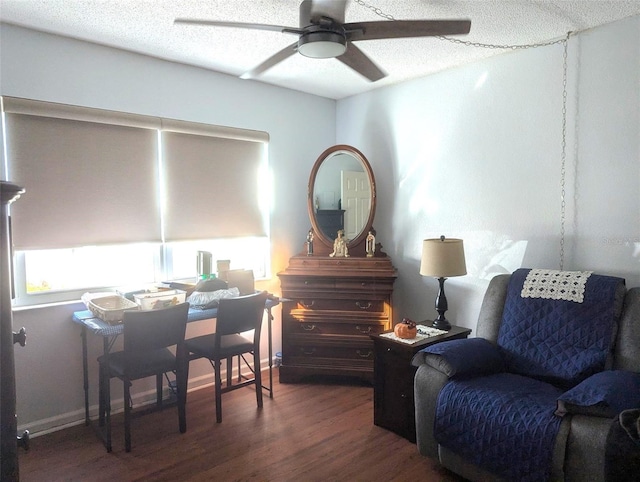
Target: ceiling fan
{"x":324,"y":34}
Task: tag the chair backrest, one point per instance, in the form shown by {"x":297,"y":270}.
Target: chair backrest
{"x":241,"y":279}
{"x":154,"y":329}
{"x":555,"y":336}
{"x":244,"y":313}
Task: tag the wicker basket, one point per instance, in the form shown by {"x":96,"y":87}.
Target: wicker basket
{"x":111,"y":308}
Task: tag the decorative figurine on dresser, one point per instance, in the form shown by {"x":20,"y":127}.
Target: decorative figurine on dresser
{"x":340,"y":249}
{"x":339,"y":293}
{"x":310,"y":243}
{"x":371,"y":243}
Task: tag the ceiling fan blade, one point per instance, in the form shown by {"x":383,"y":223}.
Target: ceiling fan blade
{"x":333,"y":9}
{"x":285,"y":53}
{"x":405,"y":29}
{"x":358,"y":61}
{"x":253,"y":26}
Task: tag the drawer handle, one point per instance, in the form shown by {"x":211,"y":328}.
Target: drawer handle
{"x":307,"y":304}
{"x":308,"y":327}
{"x":364,"y":355}
{"x":366,"y":330}
{"x":308,"y":351}
{"x":362,"y":305}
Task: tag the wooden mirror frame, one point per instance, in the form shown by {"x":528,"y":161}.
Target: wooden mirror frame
{"x":356,"y":246}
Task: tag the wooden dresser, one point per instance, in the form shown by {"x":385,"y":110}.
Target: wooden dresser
{"x":333,"y":305}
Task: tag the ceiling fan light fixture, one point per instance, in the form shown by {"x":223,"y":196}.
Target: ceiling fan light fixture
{"x":322,"y":45}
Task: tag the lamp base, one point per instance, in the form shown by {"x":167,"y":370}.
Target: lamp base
{"x":441,"y":323}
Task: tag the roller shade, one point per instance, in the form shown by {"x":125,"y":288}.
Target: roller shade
{"x":89,"y":180}
{"x":95,"y":176}
{"x":211,"y":181}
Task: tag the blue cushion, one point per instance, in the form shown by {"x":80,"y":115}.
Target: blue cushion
{"x":503,"y":423}
{"x":463,"y":358}
{"x":604,"y":394}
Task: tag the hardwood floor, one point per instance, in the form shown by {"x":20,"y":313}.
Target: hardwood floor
{"x":320,"y":431}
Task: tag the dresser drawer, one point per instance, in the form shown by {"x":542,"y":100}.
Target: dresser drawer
{"x":337,"y":284}
{"x":325,"y":355}
{"x":334,"y":328}
{"x":364,"y":285}
{"x":323,"y":304}
{"x":307,"y":283}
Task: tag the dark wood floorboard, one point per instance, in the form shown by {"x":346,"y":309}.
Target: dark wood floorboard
{"x":319,"y":431}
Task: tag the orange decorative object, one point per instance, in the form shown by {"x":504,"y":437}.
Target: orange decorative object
{"x":406,"y":329}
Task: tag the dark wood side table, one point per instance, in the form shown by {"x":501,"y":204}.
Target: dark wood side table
{"x":393,"y":405}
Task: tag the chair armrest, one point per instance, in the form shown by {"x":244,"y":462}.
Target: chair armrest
{"x":436,"y":365}
{"x":427,"y":384}
{"x":604,"y":394}
{"x":462,"y":358}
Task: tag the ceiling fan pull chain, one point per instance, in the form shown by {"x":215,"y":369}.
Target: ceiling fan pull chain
{"x":494,"y":46}
{"x":564,"y":148}
{"x":375,"y":10}
{"x":466,"y":43}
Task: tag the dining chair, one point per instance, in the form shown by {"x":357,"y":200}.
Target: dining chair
{"x":235,"y":316}
{"x":147,"y":337}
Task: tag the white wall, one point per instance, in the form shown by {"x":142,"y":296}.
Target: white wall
{"x":44,"y":67}
{"x":475,"y":153}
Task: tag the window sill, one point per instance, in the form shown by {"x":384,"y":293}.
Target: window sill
{"x":45,"y":305}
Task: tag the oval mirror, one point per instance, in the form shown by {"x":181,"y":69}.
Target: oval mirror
{"x":342,"y":195}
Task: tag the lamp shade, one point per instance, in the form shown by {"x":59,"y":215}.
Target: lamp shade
{"x":442,"y":258}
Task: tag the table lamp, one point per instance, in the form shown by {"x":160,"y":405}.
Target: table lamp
{"x":442,"y":258}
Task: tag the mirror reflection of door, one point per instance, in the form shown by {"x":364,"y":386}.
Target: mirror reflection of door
{"x":356,"y":201}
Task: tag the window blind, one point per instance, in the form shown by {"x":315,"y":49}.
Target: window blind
{"x":90,"y":175}
{"x":94,"y":176}
{"x":212,"y":181}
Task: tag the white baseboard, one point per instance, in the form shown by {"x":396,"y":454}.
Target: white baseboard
{"x":44,"y":426}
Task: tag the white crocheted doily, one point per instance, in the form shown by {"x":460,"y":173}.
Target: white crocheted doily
{"x":555,"y":285}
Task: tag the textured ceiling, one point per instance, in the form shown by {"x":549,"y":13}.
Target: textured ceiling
{"x":146,"y":26}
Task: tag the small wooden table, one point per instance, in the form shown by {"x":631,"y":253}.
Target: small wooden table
{"x":393,"y":404}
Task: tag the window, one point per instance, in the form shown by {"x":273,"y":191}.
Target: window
{"x":90,"y":266}
{"x":128,"y":199}
{"x":53,"y":275}
{"x":244,"y":253}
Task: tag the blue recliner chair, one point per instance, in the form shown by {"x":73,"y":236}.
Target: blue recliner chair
{"x":555,"y":360}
